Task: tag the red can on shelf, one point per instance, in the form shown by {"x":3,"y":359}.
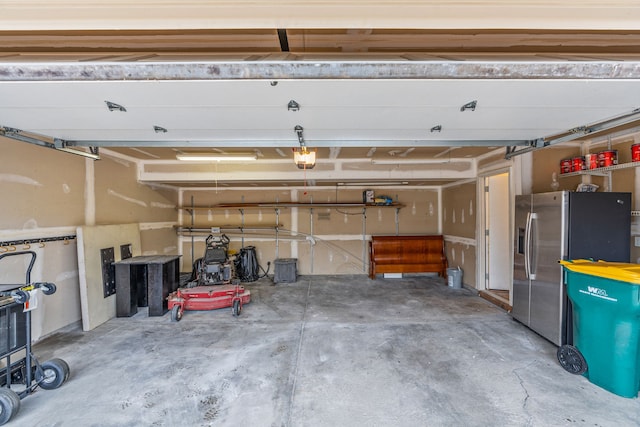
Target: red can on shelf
{"x":577,"y":164}
{"x":565,"y":165}
{"x":607,"y":158}
{"x":591,"y":161}
{"x":635,"y":153}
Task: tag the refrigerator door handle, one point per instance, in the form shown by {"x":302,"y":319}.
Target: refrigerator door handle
{"x":528,"y":245}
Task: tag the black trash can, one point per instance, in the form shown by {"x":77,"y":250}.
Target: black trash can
{"x":285,"y":270}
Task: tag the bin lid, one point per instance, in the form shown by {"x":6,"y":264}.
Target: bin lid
{"x":621,"y":271}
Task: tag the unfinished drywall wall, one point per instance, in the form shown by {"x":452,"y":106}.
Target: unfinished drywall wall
{"x":120,"y":199}
{"x":48,"y":194}
{"x":463,"y":255}
{"x":459,"y":228}
{"x":546,"y":169}
{"x":40,"y":187}
{"x":43,"y":197}
{"x":59,"y":266}
{"x":487,"y":161}
{"x":459,"y":210}
{"x":96,"y":307}
{"x":158,"y":239}
{"x":325,"y":240}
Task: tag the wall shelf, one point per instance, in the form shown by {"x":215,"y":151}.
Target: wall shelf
{"x":285,"y":205}
{"x":606,"y":172}
{"x":227,"y":229}
{"x":601,"y":171}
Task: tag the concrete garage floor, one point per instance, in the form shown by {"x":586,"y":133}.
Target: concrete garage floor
{"x":325,"y":351}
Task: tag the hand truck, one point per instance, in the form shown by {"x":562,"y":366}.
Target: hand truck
{"x":15,"y":336}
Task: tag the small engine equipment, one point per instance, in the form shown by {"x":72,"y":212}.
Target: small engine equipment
{"x":214,"y":267}
{"x":247,"y":267}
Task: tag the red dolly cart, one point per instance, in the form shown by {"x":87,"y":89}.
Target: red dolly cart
{"x":26,"y":373}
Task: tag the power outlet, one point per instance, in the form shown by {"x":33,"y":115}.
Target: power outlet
{"x":636,"y":241}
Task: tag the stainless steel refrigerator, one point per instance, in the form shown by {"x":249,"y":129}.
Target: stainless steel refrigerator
{"x":562,"y":225}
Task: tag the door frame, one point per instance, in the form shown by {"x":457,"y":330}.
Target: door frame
{"x":481,"y":255}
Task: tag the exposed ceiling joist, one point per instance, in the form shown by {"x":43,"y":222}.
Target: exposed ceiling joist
{"x":283,"y":39}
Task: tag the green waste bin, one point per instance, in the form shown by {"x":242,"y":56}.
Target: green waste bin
{"x":606,"y":324}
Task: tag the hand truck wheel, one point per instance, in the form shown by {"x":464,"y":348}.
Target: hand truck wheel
{"x":53,"y":374}
{"x":9,"y":405}
{"x":20,"y":296}
{"x":48,"y":288}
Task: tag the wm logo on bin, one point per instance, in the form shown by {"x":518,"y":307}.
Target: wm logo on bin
{"x":597,"y":292}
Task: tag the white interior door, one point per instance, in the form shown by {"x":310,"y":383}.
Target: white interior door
{"x":498,"y":261}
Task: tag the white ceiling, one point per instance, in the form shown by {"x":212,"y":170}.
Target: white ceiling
{"x":259,"y":14}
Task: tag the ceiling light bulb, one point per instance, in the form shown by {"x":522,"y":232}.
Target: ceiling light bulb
{"x":203,"y":157}
{"x":304,"y":158}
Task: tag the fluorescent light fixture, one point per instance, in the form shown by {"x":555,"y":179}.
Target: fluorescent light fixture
{"x":79,"y":153}
{"x":216,"y":157}
{"x":372,"y":183}
{"x":69,"y":147}
{"x":410,"y":162}
{"x":47,"y":141}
